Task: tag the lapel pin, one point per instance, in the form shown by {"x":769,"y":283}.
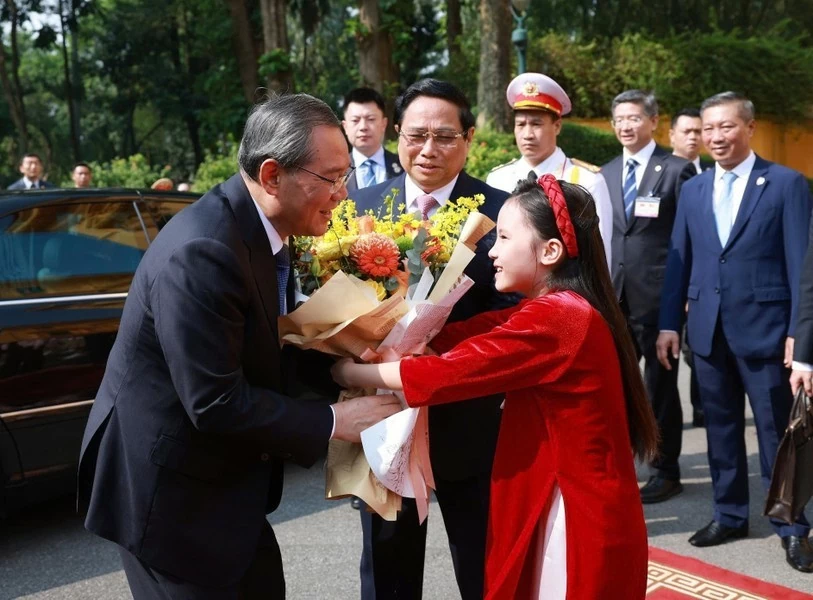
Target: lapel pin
{"x":396,"y":168}
{"x":658,"y":168}
{"x":760,"y":180}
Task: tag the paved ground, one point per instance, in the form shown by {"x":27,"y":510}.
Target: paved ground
{"x":45,"y":553}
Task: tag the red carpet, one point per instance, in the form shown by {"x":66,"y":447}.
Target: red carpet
{"x":675,"y":577}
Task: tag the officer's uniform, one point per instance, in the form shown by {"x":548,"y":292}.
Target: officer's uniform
{"x":534,"y":91}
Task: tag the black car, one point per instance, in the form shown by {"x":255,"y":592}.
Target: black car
{"x":67,"y":258}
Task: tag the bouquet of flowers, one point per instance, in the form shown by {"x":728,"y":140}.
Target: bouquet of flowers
{"x":380,"y":287}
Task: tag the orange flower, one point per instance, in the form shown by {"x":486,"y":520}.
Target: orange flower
{"x":376,"y":255}
{"x":366,"y":224}
{"x":433,"y":247}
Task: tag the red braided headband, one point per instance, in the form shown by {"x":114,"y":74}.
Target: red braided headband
{"x":553,"y":191}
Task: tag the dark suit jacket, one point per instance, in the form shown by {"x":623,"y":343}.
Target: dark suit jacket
{"x":20,"y":184}
{"x":182,"y":456}
{"x":462,"y":436}
{"x":639,"y":246}
{"x":751,"y":285}
{"x":390,"y":161}
{"x":803,"y":346}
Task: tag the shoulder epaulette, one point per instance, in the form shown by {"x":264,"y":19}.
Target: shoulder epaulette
{"x":510,"y":162}
{"x":585,"y":165}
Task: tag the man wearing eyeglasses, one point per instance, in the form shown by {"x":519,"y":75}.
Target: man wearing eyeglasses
{"x":365,"y":125}
{"x":435,"y":127}
{"x":185,"y":445}
{"x":644,"y":183}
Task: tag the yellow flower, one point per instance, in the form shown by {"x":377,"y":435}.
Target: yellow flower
{"x":380,"y":290}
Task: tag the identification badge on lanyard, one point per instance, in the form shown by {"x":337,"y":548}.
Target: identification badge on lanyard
{"x":647,"y":207}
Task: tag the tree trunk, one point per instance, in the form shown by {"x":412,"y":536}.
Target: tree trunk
{"x":275,"y":36}
{"x":454,"y":30}
{"x":67,"y":85}
{"x":244,"y":48}
{"x":495,"y":63}
{"x":12,"y":90}
{"x":376,"y":67}
{"x":76,"y":72}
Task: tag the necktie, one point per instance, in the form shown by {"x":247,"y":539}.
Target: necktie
{"x":532,"y":175}
{"x":630,"y":188}
{"x":425,"y":204}
{"x":283,"y":271}
{"x":368,"y":173}
{"x":723,"y":213}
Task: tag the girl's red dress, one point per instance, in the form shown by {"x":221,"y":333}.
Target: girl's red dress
{"x":564,"y":422}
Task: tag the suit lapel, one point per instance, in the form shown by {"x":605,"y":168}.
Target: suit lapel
{"x":757,"y":182}
{"x":706,"y":210}
{"x":612,"y":175}
{"x":649,"y":182}
{"x":263,"y":264}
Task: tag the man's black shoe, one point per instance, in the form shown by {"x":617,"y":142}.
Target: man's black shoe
{"x":798,"y":553}
{"x":716,"y":533}
{"x":658,"y":489}
{"x":698,"y":420}
{"x":355,"y":502}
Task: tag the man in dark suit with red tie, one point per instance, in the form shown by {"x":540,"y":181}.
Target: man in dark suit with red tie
{"x":644,"y":183}
{"x":435,"y":127}
{"x":183,"y":452}
{"x":736,"y":256}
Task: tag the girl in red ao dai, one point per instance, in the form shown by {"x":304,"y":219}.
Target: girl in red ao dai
{"x":567,"y":521}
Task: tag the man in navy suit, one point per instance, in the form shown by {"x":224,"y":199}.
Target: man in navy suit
{"x":644,"y":183}
{"x":802,"y":374}
{"x":183,"y":452}
{"x":31,"y":169}
{"x":736,"y":254}
{"x":435,"y":127}
{"x":365,"y":124}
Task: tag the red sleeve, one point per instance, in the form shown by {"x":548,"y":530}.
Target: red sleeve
{"x":454,"y":333}
{"x":535,"y":345}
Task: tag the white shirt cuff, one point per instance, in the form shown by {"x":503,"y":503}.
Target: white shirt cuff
{"x":800,"y":366}
{"x":668,"y":331}
{"x":333,"y":429}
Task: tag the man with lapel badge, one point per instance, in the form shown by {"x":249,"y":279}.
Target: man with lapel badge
{"x":539,"y":103}
{"x":684,"y":137}
{"x":183,"y":452}
{"x":31,"y":169}
{"x":644,"y":183}
{"x":365,"y":125}
{"x":435,"y":127}
{"x":736,"y":254}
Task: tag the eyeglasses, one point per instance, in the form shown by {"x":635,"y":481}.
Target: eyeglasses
{"x":634,"y":121}
{"x":335,"y":184}
{"x":444,"y":139}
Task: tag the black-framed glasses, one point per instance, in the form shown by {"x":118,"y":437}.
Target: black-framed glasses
{"x":335,"y":184}
{"x":444,"y":139}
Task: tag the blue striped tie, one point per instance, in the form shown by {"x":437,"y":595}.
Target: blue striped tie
{"x":723,"y":212}
{"x":283,"y":271}
{"x":368,"y":173}
{"x":630,"y":188}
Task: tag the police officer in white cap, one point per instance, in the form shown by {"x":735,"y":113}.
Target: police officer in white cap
{"x":539,"y":104}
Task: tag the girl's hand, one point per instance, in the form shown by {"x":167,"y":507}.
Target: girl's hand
{"x":341,"y":371}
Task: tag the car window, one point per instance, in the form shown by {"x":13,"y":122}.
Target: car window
{"x":66,"y":249}
{"x":160,"y":212}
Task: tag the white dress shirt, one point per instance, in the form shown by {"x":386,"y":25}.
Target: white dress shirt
{"x":412,"y":191}
{"x":379,"y":166}
{"x":642,"y":158}
{"x":276,"y":245}
{"x":697,"y":167}
{"x":743,"y":172}
{"x":31,"y":183}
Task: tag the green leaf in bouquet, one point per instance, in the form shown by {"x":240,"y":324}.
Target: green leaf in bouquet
{"x":419,"y":243}
{"x":414,"y":262}
{"x":391,"y":284}
{"x":306,"y":257}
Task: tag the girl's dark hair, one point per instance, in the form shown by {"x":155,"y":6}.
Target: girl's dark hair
{"x":588,"y":276}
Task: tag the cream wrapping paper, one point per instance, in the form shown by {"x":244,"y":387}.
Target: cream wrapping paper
{"x":344,"y":318}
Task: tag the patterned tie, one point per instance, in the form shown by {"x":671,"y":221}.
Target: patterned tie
{"x":368,"y":173}
{"x":425,"y":204}
{"x":630,"y":188}
{"x":723,"y":213}
{"x":283,"y":259}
